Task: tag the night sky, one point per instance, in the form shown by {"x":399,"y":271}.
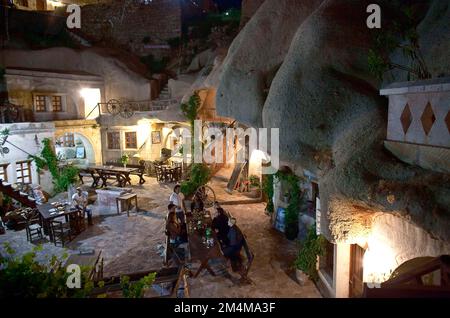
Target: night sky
{"x":227,"y":4}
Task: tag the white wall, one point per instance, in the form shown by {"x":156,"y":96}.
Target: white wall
{"x":392,"y":242}
{"x":23,"y":135}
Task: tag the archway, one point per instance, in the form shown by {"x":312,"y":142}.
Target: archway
{"x":74,"y":147}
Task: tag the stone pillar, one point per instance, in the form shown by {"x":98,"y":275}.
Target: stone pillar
{"x":341,"y":273}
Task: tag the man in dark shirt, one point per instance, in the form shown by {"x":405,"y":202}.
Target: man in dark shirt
{"x":220,"y":225}
{"x":235,"y":241}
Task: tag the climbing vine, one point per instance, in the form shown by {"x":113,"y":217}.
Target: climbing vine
{"x":62,"y":177}
{"x":400,"y":34}
{"x":295,"y":201}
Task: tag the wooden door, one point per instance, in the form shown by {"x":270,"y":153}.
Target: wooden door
{"x":41,"y":5}
{"x":356,"y":270}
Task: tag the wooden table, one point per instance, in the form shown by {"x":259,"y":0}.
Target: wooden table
{"x":199,"y":251}
{"x":47,"y":216}
{"x":127,"y":198}
{"x":122,"y":174}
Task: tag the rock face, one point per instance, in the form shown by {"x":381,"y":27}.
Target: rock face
{"x":326,"y":103}
{"x":249,"y":8}
{"x":255,"y":56}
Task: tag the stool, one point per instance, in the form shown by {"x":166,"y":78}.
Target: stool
{"x":127,"y":199}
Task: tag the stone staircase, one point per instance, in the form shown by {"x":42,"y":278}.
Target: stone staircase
{"x":164,"y":94}
{"x":23,"y":198}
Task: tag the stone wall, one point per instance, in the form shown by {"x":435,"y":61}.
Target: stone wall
{"x":131,"y":23}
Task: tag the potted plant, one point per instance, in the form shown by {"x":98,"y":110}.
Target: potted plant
{"x":306,"y":262}
{"x":124,"y":160}
{"x":254,"y":186}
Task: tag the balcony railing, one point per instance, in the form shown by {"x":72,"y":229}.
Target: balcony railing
{"x":127,"y":109}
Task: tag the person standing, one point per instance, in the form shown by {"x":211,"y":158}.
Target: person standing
{"x":80,"y":200}
{"x":176,"y":199}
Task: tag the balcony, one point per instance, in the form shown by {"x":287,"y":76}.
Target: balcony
{"x":419,"y":123}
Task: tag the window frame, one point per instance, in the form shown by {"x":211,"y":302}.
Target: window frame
{"x":4,"y":171}
{"x":37,"y":97}
{"x":25,"y":165}
{"x":130,"y":143}
{"x":61,"y":103}
{"x":109,"y":141}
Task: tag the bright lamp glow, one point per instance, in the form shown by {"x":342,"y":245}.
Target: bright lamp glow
{"x":91,"y":98}
{"x":378,"y":262}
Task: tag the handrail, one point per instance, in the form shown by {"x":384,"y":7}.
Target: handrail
{"x":142,"y":106}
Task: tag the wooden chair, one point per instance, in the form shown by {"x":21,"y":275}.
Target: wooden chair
{"x":77,"y":222}
{"x":61,"y":232}
{"x":158,"y":173}
{"x":249,"y":256}
{"x":33,"y":227}
{"x":139,"y":173}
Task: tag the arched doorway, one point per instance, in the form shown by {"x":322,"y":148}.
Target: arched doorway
{"x":74,"y":148}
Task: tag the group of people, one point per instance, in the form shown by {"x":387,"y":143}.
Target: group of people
{"x":228,"y":233}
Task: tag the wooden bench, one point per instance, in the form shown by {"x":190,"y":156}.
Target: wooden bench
{"x":89,"y":173}
{"x":140,"y":173}
{"x":127,"y":199}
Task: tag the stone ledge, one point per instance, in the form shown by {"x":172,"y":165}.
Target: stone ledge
{"x":427,"y":157}
{"x":426,"y":86}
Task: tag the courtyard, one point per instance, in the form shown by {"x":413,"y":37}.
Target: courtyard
{"x":136,"y":244}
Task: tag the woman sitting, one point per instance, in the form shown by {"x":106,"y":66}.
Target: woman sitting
{"x":173,"y":227}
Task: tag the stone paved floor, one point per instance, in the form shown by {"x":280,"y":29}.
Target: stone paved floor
{"x":130,"y":244}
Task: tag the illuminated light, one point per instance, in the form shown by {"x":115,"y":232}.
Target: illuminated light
{"x":378,"y":261}
{"x":55,"y":3}
{"x":92,"y":97}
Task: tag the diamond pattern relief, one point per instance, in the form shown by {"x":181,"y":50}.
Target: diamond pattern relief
{"x":428,"y":118}
{"x":406,"y":118}
{"x":447,"y":121}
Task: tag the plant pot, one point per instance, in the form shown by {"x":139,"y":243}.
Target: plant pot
{"x":301,"y":277}
{"x":291,"y":231}
{"x":254,"y":193}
